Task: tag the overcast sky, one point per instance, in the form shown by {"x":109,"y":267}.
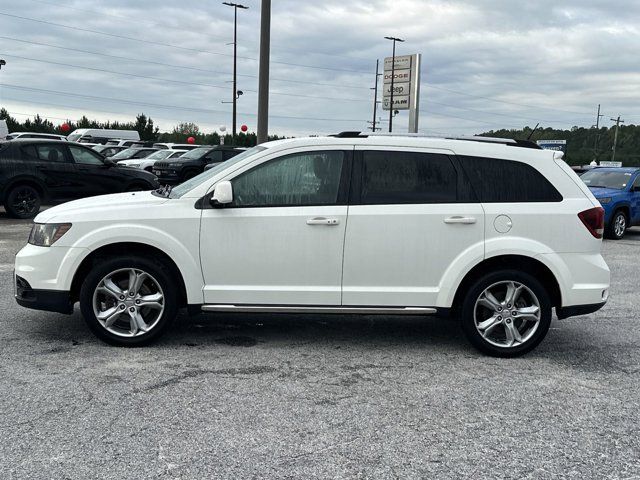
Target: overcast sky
{"x":486,"y":64}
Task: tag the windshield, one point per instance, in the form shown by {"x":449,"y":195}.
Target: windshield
{"x":160,"y":155}
{"x":196,"y":153}
{"x":74,"y":137}
{"x":125,"y":153}
{"x":606,"y":179}
{"x":183,"y":188}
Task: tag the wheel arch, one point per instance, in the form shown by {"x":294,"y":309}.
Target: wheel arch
{"x":134,"y":248}
{"x":512,"y":262}
{"x":25,"y":180}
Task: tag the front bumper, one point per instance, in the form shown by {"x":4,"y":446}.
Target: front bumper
{"x":49,"y":300}
{"x":167,"y":176}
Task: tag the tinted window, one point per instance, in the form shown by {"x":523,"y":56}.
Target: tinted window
{"x":215,"y":156}
{"x":407,"y":177}
{"x":51,"y":153}
{"x":298,"y":179}
{"x":227,"y":154}
{"x":496,"y":180}
{"x":84,"y":156}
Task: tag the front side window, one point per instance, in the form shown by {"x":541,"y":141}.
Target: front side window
{"x":299,"y":179}
{"x":390,"y":177}
{"x":214,"y":157}
{"x":51,"y":153}
{"x":143,"y":153}
{"x":86,"y":157}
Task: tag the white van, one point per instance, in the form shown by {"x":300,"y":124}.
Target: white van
{"x":4,"y":131}
{"x":96,"y":134}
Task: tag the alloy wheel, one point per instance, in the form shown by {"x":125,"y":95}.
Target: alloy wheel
{"x":25,"y":201}
{"x":507,"y":314}
{"x":128,"y":302}
{"x":620,"y":225}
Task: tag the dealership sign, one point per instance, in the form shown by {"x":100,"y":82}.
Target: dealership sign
{"x":557,"y":145}
{"x":404,"y":74}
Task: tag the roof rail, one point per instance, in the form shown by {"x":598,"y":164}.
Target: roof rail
{"x":475,"y":138}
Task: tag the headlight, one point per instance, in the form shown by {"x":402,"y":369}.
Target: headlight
{"x":135,"y":165}
{"x":46,"y":234}
{"x":604,"y":199}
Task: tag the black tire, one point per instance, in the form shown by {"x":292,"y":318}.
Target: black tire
{"x":468,"y":317}
{"x":189,"y":174}
{"x":617,"y":226}
{"x":160,"y":273}
{"x":23,"y":201}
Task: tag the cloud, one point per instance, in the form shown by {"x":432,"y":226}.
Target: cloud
{"x":486,"y":64}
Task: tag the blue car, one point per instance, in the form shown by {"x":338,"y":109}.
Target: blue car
{"x":618,"y":191}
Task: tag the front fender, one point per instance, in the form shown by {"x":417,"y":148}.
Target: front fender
{"x":178,"y":249}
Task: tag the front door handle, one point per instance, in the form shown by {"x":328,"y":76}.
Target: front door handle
{"x":460,"y":219}
{"x":323,"y":221}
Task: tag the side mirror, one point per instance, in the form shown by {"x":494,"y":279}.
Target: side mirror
{"x":109,"y":163}
{"x":223,"y":193}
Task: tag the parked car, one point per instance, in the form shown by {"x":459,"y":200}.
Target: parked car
{"x":133,"y":153}
{"x":192,"y":163}
{"x":115,"y":142}
{"x":618,"y":191}
{"x":37,"y":171}
{"x":147,"y":163}
{"x":490,"y":233}
{"x":4,"y":131}
{"x":43,"y":136}
{"x":178,"y":146}
{"x":101,"y":135}
{"x":108,"y":150}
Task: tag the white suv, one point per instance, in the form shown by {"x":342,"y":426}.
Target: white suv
{"x":488,"y":231}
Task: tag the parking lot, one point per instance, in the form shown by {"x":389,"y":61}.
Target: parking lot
{"x":250,"y":396}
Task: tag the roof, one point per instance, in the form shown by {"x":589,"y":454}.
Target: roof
{"x":471,"y":146}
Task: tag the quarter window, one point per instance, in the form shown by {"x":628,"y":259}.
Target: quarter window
{"x":501,"y":181}
{"x":84,"y":156}
{"x":390,"y":177}
{"x":299,"y":179}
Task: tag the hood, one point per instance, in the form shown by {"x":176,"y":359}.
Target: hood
{"x":92,"y":207}
{"x":600,"y":192}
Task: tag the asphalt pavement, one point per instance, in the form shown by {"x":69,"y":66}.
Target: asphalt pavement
{"x":290,"y":396}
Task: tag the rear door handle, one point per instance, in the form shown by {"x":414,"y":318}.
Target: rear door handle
{"x":323,"y":221}
{"x":460,"y":219}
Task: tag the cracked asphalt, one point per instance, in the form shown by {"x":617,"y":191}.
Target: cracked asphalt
{"x":287,"y":396}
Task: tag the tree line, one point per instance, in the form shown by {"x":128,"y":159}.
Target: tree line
{"x":143,"y":124}
{"x":581,"y":142}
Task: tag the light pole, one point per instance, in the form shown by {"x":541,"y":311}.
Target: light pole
{"x":263,"y":74}
{"x":393,"y":74}
{"x":235,"y":6}
{"x":2,"y":64}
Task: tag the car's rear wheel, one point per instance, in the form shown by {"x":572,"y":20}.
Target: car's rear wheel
{"x":23,"y":201}
{"x":129,"y":301}
{"x":617,"y":226}
{"x":506,"y":313}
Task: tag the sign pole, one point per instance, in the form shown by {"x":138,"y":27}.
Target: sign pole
{"x":414,"y":109}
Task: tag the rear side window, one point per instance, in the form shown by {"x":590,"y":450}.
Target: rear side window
{"x":407,"y":177}
{"x":503,"y":181}
{"x":46,"y":153}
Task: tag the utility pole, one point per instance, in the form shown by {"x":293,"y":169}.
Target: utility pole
{"x":263,"y":74}
{"x":615,"y":137}
{"x":375,"y":98}
{"x":235,"y":6}
{"x":393,"y":74}
{"x":595,"y":145}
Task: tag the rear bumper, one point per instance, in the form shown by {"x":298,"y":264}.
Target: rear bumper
{"x":48,"y":300}
{"x":575,"y":310}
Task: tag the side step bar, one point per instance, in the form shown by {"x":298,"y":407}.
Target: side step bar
{"x":319,"y":309}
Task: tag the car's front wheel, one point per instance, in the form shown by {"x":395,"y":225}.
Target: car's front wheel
{"x":617,"y":226}
{"x":506,"y":313}
{"x":129,"y":300}
{"x":23,"y":201}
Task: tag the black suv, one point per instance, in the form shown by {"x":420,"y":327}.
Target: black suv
{"x":190,"y":164}
{"x":33,"y":171}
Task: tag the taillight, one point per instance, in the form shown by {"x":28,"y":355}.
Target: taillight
{"x":593,"y":219}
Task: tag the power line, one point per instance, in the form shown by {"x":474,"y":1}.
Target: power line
{"x":181,"y":82}
{"x":151,"y":42}
{"x":152,"y":62}
{"x":169,"y":107}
